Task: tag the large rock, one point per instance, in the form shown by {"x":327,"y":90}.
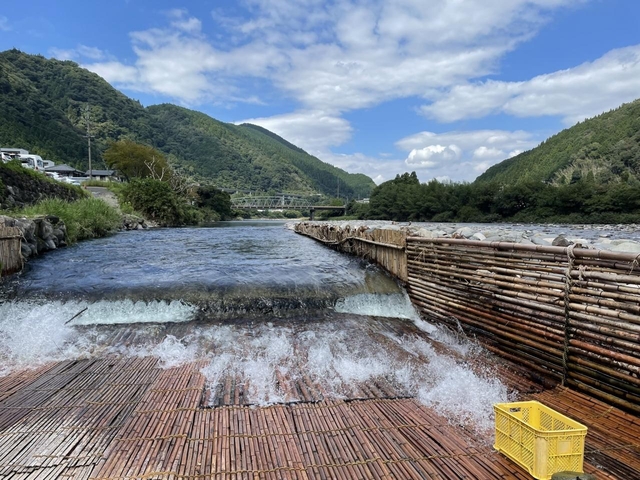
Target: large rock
{"x":560,"y":241}
{"x":133,"y":222}
{"x":628,"y":246}
{"x":423,"y":232}
{"x":465,"y":232}
{"x":540,"y":241}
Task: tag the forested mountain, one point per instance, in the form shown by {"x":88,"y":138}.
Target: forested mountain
{"x":589,"y":173}
{"x":605,"y":148}
{"x":43,"y":106}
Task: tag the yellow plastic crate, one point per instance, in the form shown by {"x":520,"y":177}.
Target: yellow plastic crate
{"x":539,"y":439}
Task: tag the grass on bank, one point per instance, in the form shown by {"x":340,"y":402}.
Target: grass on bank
{"x":85,"y":218}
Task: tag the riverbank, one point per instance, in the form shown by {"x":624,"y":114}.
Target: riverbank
{"x":615,"y":238}
{"x":55,"y":223}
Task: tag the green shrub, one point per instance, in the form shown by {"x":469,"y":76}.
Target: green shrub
{"x":156,"y":201}
{"x":96,"y":183}
{"x":85,"y":218}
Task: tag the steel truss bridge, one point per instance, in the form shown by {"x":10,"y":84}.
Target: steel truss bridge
{"x":282,"y":202}
{"x":270,"y":203}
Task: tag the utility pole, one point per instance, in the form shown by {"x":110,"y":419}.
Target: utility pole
{"x":338,"y":187}
{"x":87,"y":121}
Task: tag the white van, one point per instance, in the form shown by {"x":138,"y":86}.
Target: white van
{"x":34,"y":162}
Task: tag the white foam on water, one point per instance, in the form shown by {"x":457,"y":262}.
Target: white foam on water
{"x":172,"y":352}
{"x":462,"y":395}
{"x":129,"y":312}
{"x":33,"y":333}
{"x":393,"y":305}
{"x":338,"y":360}
{"x":335,"y":355}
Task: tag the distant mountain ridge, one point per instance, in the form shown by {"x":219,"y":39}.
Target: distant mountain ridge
{"x":42,"y":108}
{"x":604,"y":149}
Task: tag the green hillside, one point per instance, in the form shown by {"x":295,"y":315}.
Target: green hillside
{"x":605,"y":149}
{"x":42,"y":108}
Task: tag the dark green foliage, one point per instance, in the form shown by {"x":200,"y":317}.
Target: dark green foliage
{"x":583,"y":201}
{"x":214,"y":200}
{"x":357,"y":211}
{"x":157,"y":201}
{"x":607,"y":147}
{"x":43,"y":102}
{"x":133,"y":160}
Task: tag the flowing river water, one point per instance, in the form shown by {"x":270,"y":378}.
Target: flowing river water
{"x":251,"y":300}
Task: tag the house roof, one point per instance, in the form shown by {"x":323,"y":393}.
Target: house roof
{"x":101,"y":173}
{"x":63,"y":169}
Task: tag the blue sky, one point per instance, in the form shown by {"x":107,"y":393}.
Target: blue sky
{"x":445,"y":88}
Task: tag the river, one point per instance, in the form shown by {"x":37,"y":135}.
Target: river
{"x":252,"y":301}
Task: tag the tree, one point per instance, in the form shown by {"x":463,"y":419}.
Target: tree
{"x":134,"y":160}
{"x":216,"y":200}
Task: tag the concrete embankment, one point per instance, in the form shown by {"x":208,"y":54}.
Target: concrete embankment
{"x":569,"y":314}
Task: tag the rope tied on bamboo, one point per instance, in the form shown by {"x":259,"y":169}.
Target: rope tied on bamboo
{"x":581,"y":270}
{"x":634,"y":264}
{"x":568,"y":286}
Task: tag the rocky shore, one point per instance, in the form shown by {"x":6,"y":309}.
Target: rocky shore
{"x":43,"y":234}
{"x":616,"y":238}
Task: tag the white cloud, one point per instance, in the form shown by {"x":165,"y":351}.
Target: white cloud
{"x":91,"y":53}
{"x":342,"y":55}
{"x":5,"y":26}
{"x":81,"y":51}
{"x":180,"y":20}
{"x":180,"y":63}
{"x":379,"y":170}
{"x":432,"y":155}
{"x":339,"y":55}
{"x":317,"y":131}
{"x":485,"y":152}
{"x":311,"y":130}
{"x":63,"y":54}
{"x":467,"y":154}
{"x":117,"y":73}
{"x":574,"y":94}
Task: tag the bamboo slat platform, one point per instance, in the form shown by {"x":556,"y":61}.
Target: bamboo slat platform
{"x":126,"y":418}
{"x":613,"y":439}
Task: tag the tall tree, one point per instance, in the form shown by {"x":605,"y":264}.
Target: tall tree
{"x":134,"y":160}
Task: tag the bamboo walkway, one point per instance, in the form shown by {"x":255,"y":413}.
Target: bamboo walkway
{"x":126,"y":418}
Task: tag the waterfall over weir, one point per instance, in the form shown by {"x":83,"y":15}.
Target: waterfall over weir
{"x":273,"y":317}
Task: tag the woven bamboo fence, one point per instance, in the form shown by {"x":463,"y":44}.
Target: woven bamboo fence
{"x":10,"y":256}
{"x":570,"y":315}
{"x":382,"y":246}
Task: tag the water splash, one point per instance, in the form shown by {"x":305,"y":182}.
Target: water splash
{"x":336,"y":355}
{"x":33,"y":333}
{"x":393,"y":305}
